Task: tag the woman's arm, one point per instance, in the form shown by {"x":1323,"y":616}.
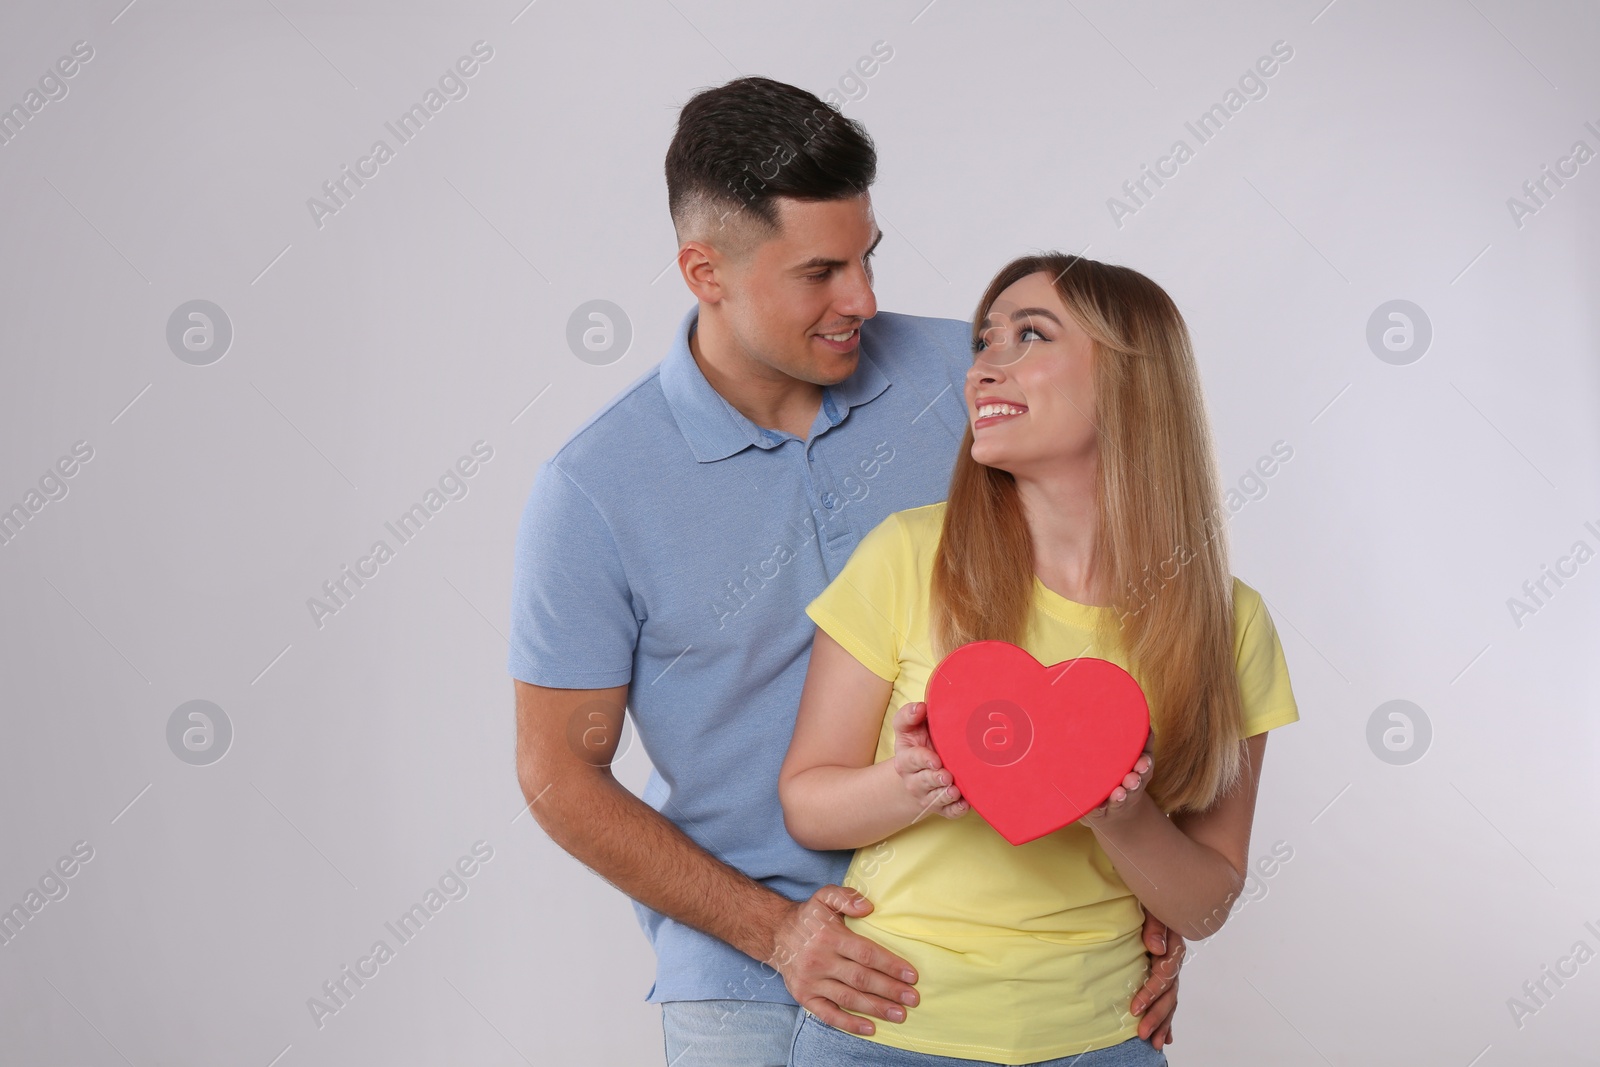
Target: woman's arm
{"x":1188,"y":869}
{"x":833,"y":795}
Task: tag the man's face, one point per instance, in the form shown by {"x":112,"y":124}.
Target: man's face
{"x":812,"y":279}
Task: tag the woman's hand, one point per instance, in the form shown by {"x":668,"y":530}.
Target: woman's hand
{"x":1127,"y":794}
{"x":919,"y":766}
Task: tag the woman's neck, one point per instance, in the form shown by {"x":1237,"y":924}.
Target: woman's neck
{"x":1062,"y":519}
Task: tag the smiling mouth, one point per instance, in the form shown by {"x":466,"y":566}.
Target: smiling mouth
{"x":990,"y":414}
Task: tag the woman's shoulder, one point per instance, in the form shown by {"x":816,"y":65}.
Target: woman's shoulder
{"x":1260,"y":662}
{"x":914,"y":528}
{"x":1253,"y":624}
{"x":907,"y":537}
{"x":920,"y":520}
{"x":1246,"y":603}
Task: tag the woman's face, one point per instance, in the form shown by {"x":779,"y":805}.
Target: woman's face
{"x":1033,"y":358}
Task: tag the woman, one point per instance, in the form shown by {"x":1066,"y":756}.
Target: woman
{"x":1083,"y":520}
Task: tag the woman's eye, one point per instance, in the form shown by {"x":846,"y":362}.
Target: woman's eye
{"x":980,"y":344}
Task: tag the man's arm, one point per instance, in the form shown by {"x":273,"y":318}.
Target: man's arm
{"x":566,"y":739}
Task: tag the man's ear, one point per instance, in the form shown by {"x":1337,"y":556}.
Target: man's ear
{"x":696,"y":264}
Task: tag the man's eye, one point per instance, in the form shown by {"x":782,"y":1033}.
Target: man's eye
{"x":817,"y":277}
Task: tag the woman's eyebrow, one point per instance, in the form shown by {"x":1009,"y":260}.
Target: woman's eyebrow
{"x":1041,"y":312}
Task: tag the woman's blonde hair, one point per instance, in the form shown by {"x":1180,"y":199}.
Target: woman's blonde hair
{"x":1159,"y":546}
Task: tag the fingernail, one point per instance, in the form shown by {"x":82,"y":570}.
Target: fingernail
{"x":909,"y":998}
{"x":897,"y":1014}
{"x":867,"y":1028}
{"x":909,"y":975}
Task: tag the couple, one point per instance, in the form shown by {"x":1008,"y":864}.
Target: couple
{"x":762,"y":547}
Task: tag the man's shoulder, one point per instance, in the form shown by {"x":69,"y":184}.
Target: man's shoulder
{"x":919,"y":349}
{"x":895,"y":332}
{"x":611,"y":437}
{"x":905,"y":320}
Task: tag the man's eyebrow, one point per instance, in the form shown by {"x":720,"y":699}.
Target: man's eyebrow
{"x":818,"y":261}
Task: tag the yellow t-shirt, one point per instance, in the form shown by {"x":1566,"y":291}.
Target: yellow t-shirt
{"x":1023,"y":952}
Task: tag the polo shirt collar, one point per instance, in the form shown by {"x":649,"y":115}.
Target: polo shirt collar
{"x":714,"y":428}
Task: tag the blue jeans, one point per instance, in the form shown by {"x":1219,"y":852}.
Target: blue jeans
{"x":728,"y":1033}
{"x":816,"y":1044}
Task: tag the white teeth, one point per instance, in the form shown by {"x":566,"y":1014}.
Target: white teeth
{"x":840,"y":337}
{"x":999,"y":409}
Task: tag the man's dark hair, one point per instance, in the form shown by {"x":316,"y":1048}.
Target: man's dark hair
{"x":740,"y":145}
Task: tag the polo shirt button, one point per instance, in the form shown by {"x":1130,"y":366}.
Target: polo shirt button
{"x":827,"y":499}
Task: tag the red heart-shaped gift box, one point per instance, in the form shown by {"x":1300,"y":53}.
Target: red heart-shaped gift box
{"x":1034,"y":748}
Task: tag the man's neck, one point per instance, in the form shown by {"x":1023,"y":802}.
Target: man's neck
{"x":765,"y":396}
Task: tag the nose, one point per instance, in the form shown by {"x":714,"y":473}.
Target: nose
{"x":982,"y":372}
{"x":856,"y":299}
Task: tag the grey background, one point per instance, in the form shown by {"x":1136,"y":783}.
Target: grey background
{"x":369,"y":754}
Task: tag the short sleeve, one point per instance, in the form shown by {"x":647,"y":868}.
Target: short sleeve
{"x":1268,"y":700}
{"x":865,"y":607}
{"x":572,"y":620}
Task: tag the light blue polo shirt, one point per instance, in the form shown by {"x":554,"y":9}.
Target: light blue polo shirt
{"x":673,"y":545}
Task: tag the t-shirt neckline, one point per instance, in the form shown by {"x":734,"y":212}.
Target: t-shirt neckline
{"x":1060,"y":605}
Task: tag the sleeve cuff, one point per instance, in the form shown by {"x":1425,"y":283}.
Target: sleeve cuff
{"x":858,"y":648}
{"x":525,"y":671}
{"x":1272,"y":722}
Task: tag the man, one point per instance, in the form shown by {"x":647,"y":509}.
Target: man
{"x":667,"y":553}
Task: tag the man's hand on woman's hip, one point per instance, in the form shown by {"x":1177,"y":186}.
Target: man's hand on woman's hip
{"x":1157,"y":999}
{"x":832,"y":972}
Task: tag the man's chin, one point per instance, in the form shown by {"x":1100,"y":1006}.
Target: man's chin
{"x":834,"y":368}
